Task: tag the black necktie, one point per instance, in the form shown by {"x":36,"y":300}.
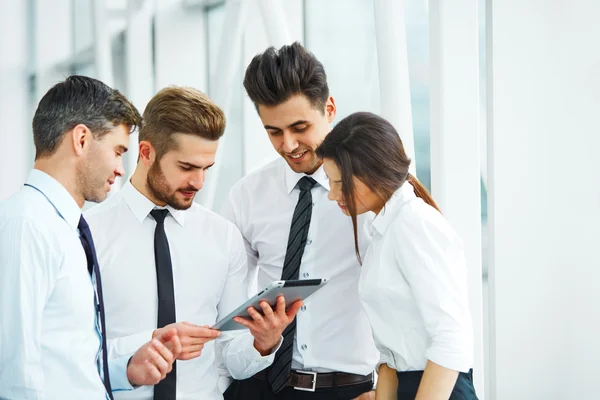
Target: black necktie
{"x":281,"y":369}
{"x":93,"y":267}
{"x":167,"y":388}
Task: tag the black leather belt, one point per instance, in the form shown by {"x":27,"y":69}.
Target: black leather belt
{"x":311,"y":381}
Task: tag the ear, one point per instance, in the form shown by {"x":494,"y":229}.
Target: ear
{"x":147,"y":153}
{"x":81,"y":138}
{"x":330,"y":109}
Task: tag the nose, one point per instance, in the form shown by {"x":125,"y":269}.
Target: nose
{"x":120,"y":171}
{"x":197,"y":180}
{"x":289,"y":143}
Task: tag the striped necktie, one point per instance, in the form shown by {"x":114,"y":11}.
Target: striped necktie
{"x":280,"y":371}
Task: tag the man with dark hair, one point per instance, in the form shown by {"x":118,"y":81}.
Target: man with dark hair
{"x":292,"y":231}
{"x":186,"y":263}
{"x":52,"y":322}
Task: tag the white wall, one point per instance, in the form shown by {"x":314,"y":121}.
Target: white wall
{"x":455,"y":172}
{"x":15,"y":133}
{"x":544,"y":198}
{"x":180,"y":40}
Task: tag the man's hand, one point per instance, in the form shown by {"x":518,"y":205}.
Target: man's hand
{"x":267,"y":328}
{"x":154,"y":360}
{"x":192,"y":338}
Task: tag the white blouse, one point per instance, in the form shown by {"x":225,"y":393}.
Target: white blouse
{"x":413,"y":287}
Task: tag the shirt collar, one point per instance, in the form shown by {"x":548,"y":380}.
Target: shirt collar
{"x":141,"y":206}
{"x":400,"y":197}
{"x":292,"y":178}
{"x":57,"y":194}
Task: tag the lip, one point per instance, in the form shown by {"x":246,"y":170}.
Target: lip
{"x":297,"y":160}
{"x":342,"y":206}
{"x":187,"y":194}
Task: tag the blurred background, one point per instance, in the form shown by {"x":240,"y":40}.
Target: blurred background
{"x":496,"y":101}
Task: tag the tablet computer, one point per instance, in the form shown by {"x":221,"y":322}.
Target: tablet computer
{"x":291,"y":291}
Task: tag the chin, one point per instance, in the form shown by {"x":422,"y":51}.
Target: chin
{"x":304,"y":168}
{"x":181,"y":205}
{"x":97,"y":197}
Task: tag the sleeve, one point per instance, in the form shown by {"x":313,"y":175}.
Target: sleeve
{"x":430,"y":256}
{"x":27,"y":274}
{"x":117,"y":368}
{"x":126,"y":346}
{"x":237,"y":350}
{"x":120,"y":350}
{"x":232,"y":211}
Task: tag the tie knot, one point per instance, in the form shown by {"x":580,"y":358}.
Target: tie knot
{"x":159,"y":215}
{"x":83,"y":225}
{"x":306,"y":183}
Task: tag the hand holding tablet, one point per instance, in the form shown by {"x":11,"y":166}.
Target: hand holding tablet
{"x":292,"y":291}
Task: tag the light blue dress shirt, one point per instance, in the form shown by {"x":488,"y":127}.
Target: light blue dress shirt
{"x":49,"y":343}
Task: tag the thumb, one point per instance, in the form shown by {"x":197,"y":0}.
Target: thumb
{"x":294,"y":308}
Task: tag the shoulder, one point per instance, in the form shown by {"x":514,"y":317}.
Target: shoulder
{"x":105,"y":216}
{"x":28,"y":213}
{"x":209,"y":221}
{"x":417,"y":220}
{"x":100,"y":210}
{"x":261,"y":178}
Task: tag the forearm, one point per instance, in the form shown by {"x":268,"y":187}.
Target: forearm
{"x":437,"y":382}
{"x":241,"y":358}
{"x":387,"y":383}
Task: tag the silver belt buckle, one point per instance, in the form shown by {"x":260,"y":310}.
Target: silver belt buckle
{"x":314,"y":380}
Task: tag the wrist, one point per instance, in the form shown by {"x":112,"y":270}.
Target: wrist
{"x":131,"y":380}
{"x":264,"y":349}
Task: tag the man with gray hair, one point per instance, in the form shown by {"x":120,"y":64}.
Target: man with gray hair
{"x":52,"y":325}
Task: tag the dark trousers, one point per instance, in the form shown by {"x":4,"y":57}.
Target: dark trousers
{"x":408,"y":385}
{"x":259,"y":389}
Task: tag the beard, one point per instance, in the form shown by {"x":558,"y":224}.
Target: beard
{"x":90,"y":181}
{"x":161,"y":190}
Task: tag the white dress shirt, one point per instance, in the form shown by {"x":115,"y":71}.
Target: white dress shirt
{"x":413,"y":287}
{"x":333,"y":333}
{"x":209,"y":278}
{"x":49,"y":344}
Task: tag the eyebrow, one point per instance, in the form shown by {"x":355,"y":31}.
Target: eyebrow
{"x":194,"y":165}
{"x":300,"y":122}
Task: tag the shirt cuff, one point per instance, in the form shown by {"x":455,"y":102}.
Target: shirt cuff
{"x":271,"y":356}
{"x":118,"y":374}
{"x":458,"y":359}
{"x":253,"y":354}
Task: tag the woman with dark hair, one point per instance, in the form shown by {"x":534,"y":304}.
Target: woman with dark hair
{"x":413,"y":283}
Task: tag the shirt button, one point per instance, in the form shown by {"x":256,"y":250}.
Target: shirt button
{"x":308,"y":241}
{"x":306,"y":275}
{"x":303,"y":308}
{"x":304,"y":347}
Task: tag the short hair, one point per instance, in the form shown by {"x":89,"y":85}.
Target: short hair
{"x":177,"y":109}
{"x":79,"y":100}
{"x":276,"y":75}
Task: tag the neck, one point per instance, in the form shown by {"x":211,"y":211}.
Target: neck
{"x":379,"y":205}
{"x":65,"y":173}
{"x":315,"y":168}
{"x":139,"y":181}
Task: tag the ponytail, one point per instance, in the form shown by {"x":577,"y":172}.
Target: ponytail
{"x":421,"y":191}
